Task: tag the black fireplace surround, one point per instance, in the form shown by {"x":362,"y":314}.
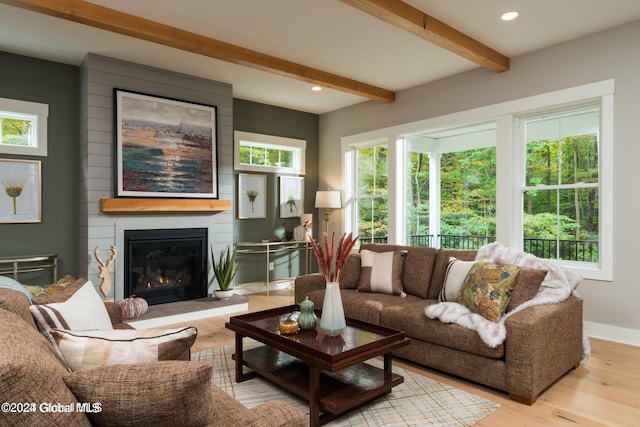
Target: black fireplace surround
{"x":166,"y":265}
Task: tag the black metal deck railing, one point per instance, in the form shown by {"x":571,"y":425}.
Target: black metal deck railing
{"x":569,"y":250}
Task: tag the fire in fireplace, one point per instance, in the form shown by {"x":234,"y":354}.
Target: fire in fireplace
{"x":165,"y":265}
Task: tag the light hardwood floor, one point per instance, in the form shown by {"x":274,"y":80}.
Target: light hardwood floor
{"x":603,"y":391}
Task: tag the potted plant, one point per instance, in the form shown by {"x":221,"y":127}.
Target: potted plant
{"x":224,"y":269}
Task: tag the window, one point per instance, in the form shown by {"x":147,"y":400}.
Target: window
{"x":23,"y":127}
{"x":371,"y":205}
{"x":268,"y":153}
{"x":561,"y":188}
{"x":450,"y":183}
{"x":533,"y":173}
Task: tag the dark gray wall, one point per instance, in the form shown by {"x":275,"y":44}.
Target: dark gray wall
{"x":58,"y":85}
{"x":55,"y":84}
{"x":266,"y":119}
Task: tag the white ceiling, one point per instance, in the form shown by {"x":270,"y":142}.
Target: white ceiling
{"x":324,"y":34}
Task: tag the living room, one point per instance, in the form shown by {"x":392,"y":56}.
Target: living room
{"x":609,"y":305}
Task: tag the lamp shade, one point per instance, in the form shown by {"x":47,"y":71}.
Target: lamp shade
{"x":328,"y":199}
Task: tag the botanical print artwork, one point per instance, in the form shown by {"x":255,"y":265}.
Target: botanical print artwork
{"x":252,"y":197}
{"x":19,"y":191}
{"x":166,"y":146}
{"x":13,"y":188}
{"x":291,"y":196}
{"x":252,"y":194}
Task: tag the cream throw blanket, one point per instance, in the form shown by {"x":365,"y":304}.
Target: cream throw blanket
{"x":557,"y":286}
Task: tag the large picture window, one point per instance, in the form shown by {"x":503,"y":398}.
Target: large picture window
{"x":561,"y":189}
{"x":533,"y":173}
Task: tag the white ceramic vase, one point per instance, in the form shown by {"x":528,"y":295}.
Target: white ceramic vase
{"x":332,"y":321}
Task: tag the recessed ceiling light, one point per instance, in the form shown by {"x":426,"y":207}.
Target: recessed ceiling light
{"x":509,"y":16}
{"x":316,"y":88}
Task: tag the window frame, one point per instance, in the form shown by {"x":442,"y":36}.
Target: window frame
{"x":35,"y":111}
{"x":296,"y":146}
{"x":510,"y":165}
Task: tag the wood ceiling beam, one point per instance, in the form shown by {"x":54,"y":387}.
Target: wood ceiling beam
{"x":134,"y":26}
{"x":413,"y":20}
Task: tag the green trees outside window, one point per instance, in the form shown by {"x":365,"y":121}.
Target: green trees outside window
{"x":560,"y":189}
{"x":16,"y":131}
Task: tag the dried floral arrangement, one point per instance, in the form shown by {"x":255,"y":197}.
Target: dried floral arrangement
{"x":326,"y":257}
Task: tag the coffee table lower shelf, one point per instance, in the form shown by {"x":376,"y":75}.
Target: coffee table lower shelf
{"x":338,"y":392}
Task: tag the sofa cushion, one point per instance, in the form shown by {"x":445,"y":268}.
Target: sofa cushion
{"x":381,"y":272}
{"x":454,"y":279}
{"x":83,"y":350}
{"x":368,"y":307}
{"x":409,"y":317}
{"x":16,"y":302}
{"x":350,"y":276}
{"x":529,"y":281}
{"x":168,"y":393}
{"x":417,"y":269}
{"x":440,"y":267}
{"x":81,"y":311}
{"x":31,"y":372}
{"x":487,"y":289}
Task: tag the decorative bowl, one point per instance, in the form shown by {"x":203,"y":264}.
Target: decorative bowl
{"x":288,"y":327}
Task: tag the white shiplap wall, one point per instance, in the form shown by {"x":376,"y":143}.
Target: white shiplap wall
{"x":99,"y":76}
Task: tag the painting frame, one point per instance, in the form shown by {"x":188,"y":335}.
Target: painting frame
{"x":291,"y":200}
{"x":252,"y":207}
{"x":164,"y":147}
{"x":21,"y":195}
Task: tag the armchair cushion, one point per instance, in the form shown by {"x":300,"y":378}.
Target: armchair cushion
{"x":168,"y":393}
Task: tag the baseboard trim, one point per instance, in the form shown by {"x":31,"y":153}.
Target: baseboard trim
{"x":613,"y":333}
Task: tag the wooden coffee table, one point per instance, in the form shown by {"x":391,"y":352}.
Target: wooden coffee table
{"x":326,"y":371}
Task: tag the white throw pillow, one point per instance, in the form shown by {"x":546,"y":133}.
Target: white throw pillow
{"x":454,"y":279}
{"x":81,"y":311}
{"x":83,"y":350}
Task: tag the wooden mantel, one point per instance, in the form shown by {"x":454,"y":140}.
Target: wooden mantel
{"x":127,"y":205}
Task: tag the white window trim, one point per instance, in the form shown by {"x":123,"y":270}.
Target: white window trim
{"x":508,"y":155}
{"x":40,"y":112}
{"x":270,"y":141}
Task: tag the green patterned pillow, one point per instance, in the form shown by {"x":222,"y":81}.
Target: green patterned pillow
{"x":487,"y":289}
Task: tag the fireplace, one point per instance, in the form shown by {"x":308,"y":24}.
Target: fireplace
{"x":166,"y":265}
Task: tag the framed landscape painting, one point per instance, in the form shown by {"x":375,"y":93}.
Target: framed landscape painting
{"x":291,"y":196}
{"x":164,"y":147}
{"x":20,"y":191}
{"x":252,"y":196}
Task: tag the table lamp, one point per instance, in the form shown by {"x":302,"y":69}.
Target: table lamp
{"x":327,"y":200}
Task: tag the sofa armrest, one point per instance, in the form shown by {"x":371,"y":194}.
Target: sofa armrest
{"x":543,"y":343}
{"x":307,"y":283}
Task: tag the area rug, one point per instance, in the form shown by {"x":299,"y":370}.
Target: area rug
{"x":419,"y":401}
